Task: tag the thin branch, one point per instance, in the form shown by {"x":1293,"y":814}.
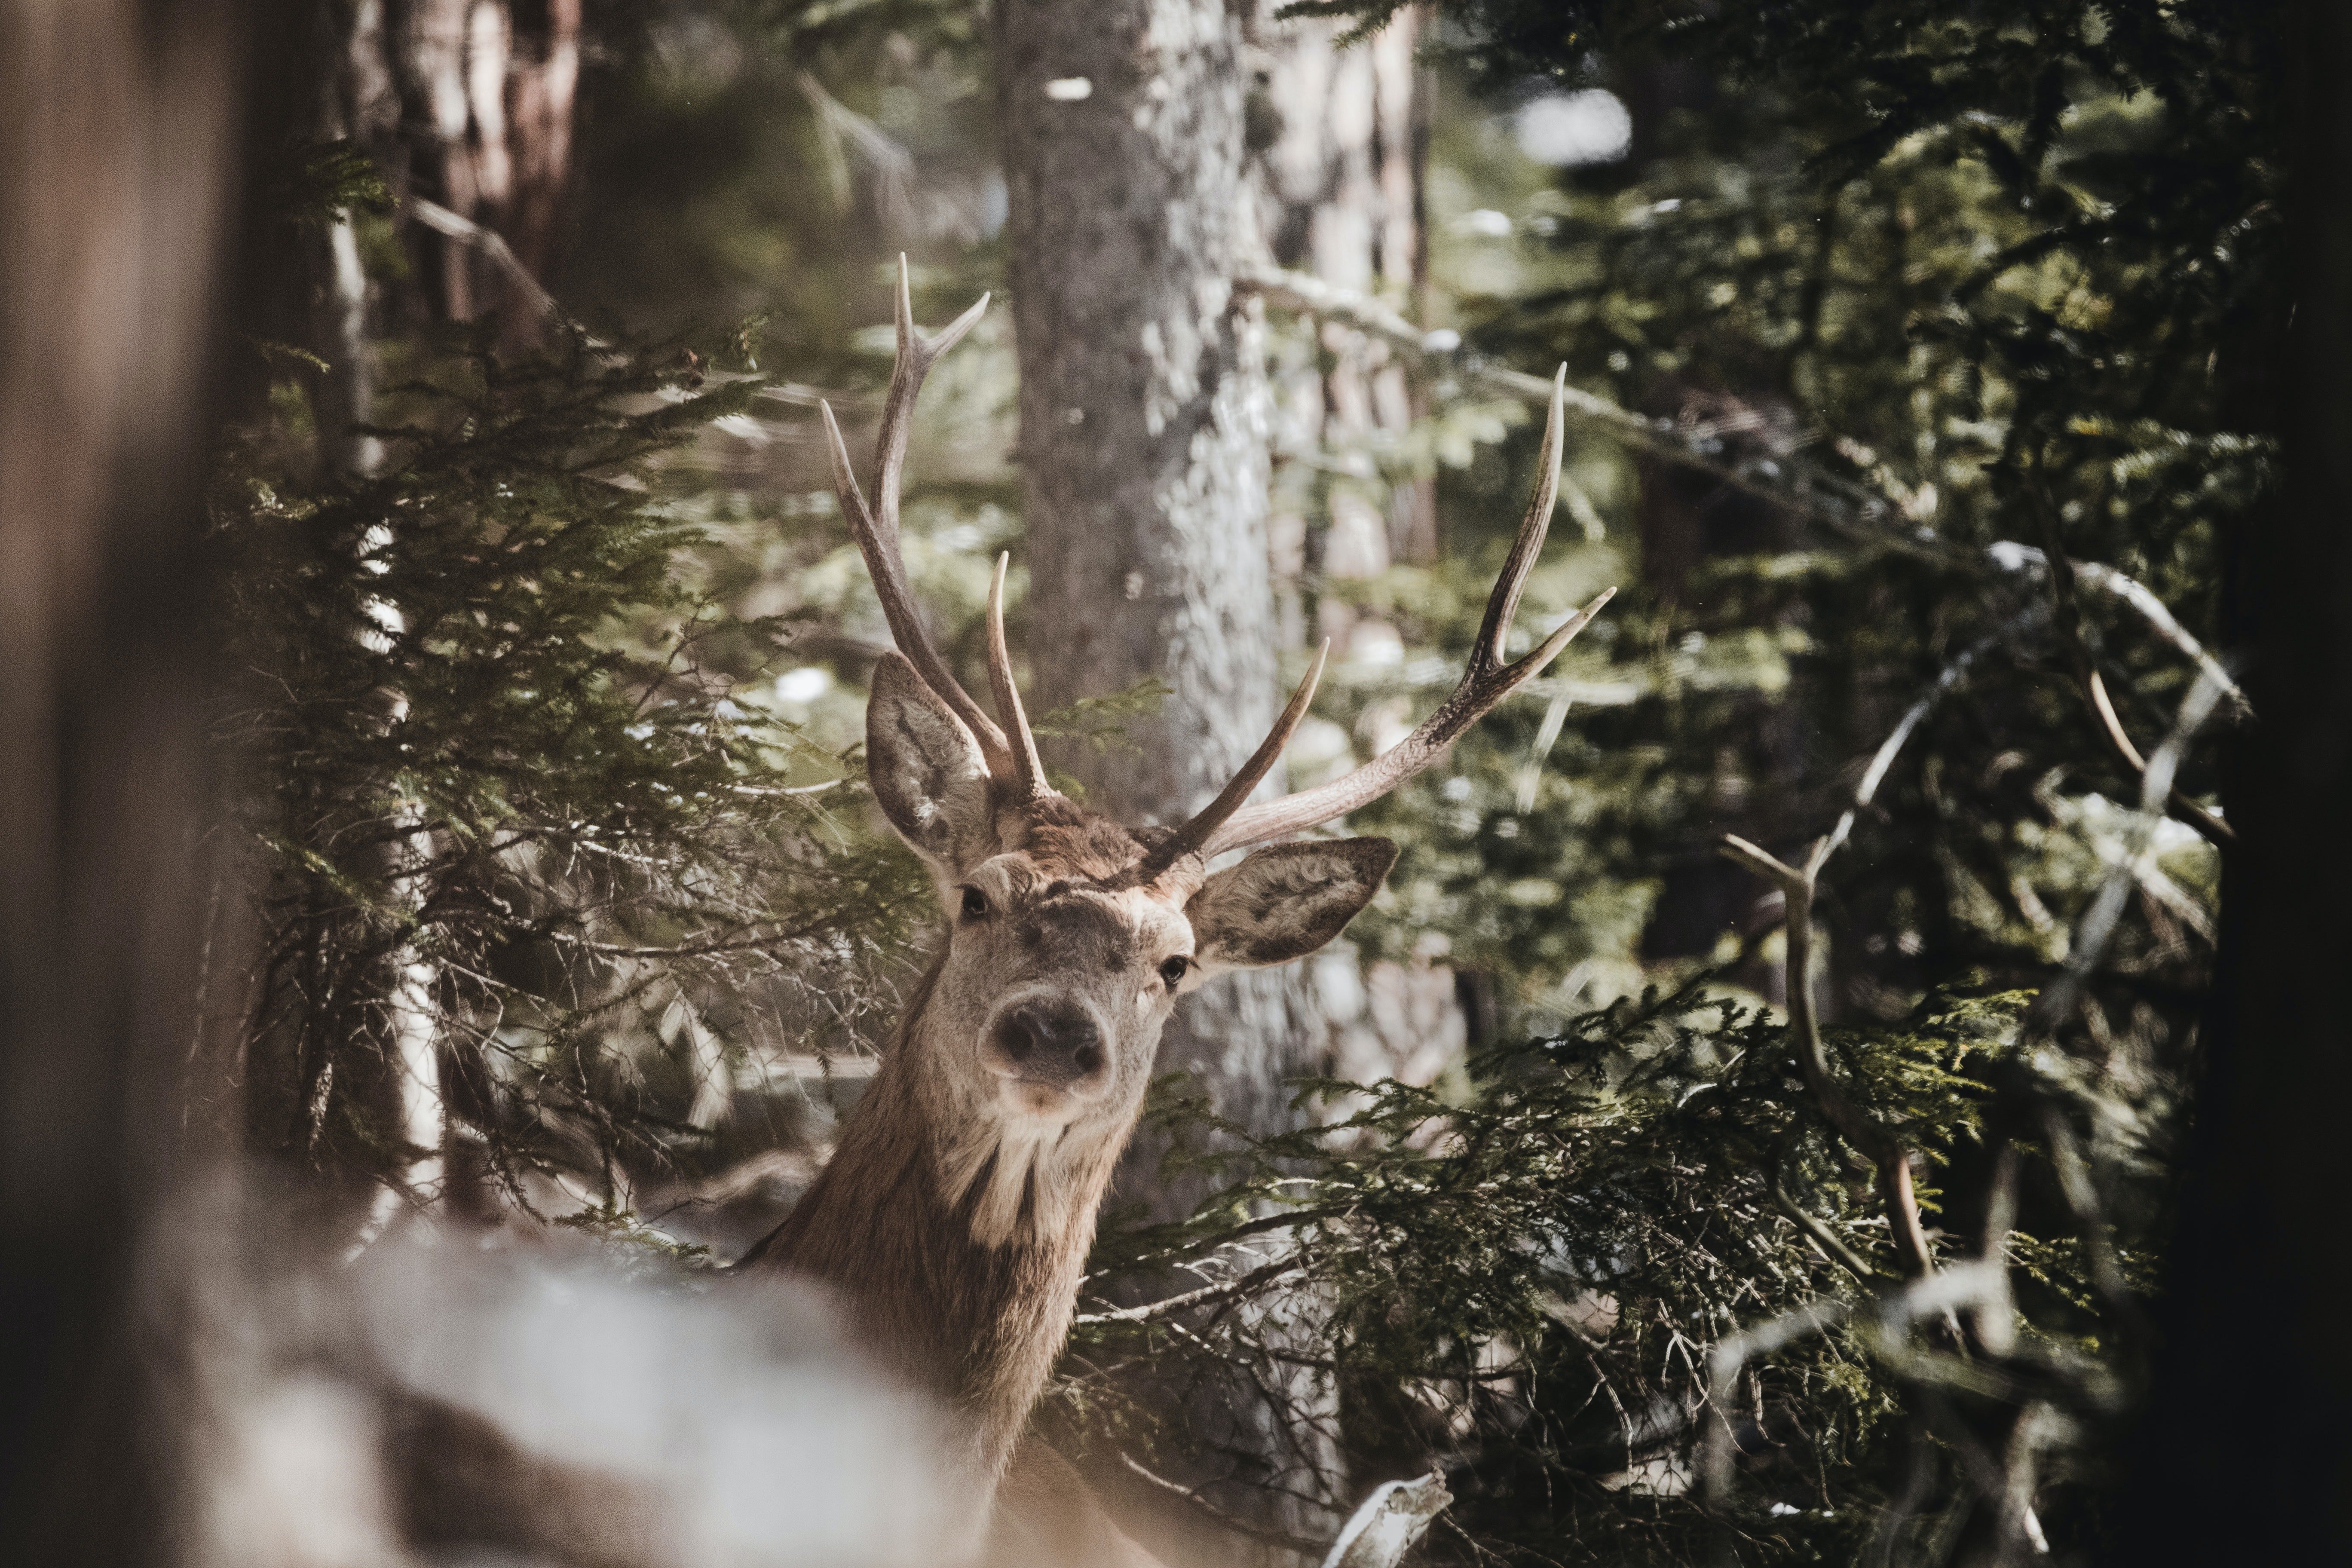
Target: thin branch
{"x":2098,"y":928}
{"x":2063,"y":572}
{"x":1875,"y":1141}
{"x":1191,"y":1496}
{"x":1857,"y":1126}
{"x":1813,"y":1226}
{"x":493,"y":246}
{"x":2009,"y":555}
{"x":1784,"y":482}
{"x":1723,"y":1364}
{"x":1241,"y":1285}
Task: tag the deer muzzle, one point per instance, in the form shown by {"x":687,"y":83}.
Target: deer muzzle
{"x":1049,"y":1044}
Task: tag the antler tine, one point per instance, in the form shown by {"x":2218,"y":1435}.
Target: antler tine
{"x":1486,"y":681}
{"x":1029,"y":773}
{"x":1504,"y":603}
{"x":917,"y":354}
{"x":877,"y":528}
{"x":1196,"y":835}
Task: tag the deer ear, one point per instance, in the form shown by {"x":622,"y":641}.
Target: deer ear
{"x":927,"y":771}
{"x":1284,"y":902}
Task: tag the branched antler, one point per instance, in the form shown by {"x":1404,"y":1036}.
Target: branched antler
{"x":1486,"y":679}
{"x":876,"y":529}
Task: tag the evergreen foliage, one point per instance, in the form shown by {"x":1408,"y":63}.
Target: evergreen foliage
{"x":500,"y":731}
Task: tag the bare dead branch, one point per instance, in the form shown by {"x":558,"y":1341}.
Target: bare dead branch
{"x":493,"y":246}
{"x":1857,"y":1126}
{"x":2098,"y":927}
{"x":1789,"y":484}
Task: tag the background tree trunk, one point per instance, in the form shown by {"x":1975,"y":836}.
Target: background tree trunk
{"x":470,"y":104}
{"x":1143,"y":444}
{"x":1145,"y":422}
{"x":120,"y":126}
{"x":1338,"y":142}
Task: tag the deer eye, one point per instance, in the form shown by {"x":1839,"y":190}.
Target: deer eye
{"x":975,"y":904}
{"x":1171,"y":971}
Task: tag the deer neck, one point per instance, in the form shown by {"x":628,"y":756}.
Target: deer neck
{"x":961,"y":1291}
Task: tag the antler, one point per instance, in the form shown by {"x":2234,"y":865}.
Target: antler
{"x":1028,"y":773}
{"x":1225,"y":824}
{"x":1014,"y":761}
{"x":1194,"y":836}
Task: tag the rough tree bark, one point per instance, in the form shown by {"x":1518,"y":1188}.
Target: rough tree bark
{"x":1151,"y":146}
{"x":1144,"y":425}
{"x":1143,"y":433}
{"x":119,"y":127}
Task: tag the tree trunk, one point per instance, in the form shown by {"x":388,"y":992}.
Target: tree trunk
{"x":1129,"y":144}
{"x":1143,"y":444}
{"x":1339,"y":147}
{"x":120,"y":125}
{"x":1143,"y":440}
{"x":1339,"y":143}
{"x":469,"y":104}
{"x":2243,"y":1455}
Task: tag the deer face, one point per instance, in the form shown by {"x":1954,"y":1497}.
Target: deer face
{"x":1066,"y":950}
{"x":1067,"y":929}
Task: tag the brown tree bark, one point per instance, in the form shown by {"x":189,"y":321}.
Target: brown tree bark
{"x":1143,"y":438}
{"x":1143,"y":445}
{"x":119,"y":131}
{"x":1137,"y":190}
{"x":470,"y":104}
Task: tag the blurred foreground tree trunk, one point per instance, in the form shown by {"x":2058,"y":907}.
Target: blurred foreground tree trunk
{"x":2245,"y":1457}
{"x":120,"y":125}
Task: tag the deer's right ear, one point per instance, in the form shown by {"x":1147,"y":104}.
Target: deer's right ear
{"x":927,"y":771}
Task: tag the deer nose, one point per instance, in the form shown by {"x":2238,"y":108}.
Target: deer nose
{"x":1051,"y":1042}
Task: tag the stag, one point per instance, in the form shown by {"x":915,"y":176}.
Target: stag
{"x":954,"y":1217}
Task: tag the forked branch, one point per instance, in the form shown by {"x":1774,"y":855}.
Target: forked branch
{"x":1875,"y":1143}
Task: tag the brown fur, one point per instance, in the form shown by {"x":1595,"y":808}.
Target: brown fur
{"x":979,"y":1326}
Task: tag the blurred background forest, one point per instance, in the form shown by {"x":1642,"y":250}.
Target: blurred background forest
{"x":1747,"y":1127}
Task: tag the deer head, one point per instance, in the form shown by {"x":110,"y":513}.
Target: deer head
{"x":1070,"y":935}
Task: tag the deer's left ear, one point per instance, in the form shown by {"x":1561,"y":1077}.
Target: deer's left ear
{"x":1285,"y":902}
